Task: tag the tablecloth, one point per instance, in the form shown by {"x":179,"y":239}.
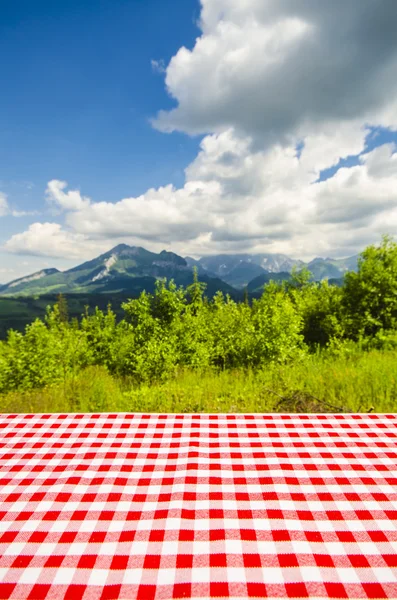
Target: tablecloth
{"x":159,"y":506}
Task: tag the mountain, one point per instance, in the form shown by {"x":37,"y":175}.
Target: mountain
{"x":124,"y":269}
{"x":323,"y":269}
{"x":242,"y":273}
{"x":330,"y":268}
{"x":238,"y":270}
{"x":256,"y":285}
{"x":222,"y":264}
{"x":15,"y":285}
{"x":131,"y":269}
{"x":192,"y":262}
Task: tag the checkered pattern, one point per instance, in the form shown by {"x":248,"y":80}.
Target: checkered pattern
{"x":160,"y":506}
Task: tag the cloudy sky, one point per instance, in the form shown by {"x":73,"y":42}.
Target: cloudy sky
{"x":199,"y":127}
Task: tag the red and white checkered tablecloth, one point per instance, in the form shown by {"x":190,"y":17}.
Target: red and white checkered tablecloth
{"x":160,"y":506}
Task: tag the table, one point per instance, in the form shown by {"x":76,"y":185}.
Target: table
{"x":160,"y":506}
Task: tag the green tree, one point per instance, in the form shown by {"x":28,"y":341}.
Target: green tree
{"x":195,"y":293}
{"x":63,"y":308}
{"x":231,"y":333}
{"x":370,"y":295}
{"x":246,"y":300}
{"x":278,"y":326}
{"x":299,"y":278}
{"x":168,"y":303}
{"x":100,"y":332}
{"x":320,"y":306}
{"x":152,"y":319}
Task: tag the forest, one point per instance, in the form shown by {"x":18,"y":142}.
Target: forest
{"x":301,"y":346}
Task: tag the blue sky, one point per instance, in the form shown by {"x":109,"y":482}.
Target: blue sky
{"x":79,"y":92}
{"x":377,"y":136}
{"x":79,"y":95}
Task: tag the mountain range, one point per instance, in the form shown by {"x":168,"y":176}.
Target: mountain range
{"x":131,"y":269}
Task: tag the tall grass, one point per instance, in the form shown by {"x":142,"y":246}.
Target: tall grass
{"x":355,"y":382}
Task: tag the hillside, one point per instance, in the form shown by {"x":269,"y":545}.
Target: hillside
{"x":239,"y":270}
{"x":256,"y":285}
{"x":124,"y":269}
{"x":328,"y":268}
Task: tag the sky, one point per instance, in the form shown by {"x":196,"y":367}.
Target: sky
{"x":200,"y":127}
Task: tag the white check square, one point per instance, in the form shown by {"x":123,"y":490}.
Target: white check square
{"x":98,"y":577}
{"x":64,"y":576}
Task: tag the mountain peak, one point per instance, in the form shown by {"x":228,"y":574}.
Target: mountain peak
{"x":172,"y":258}
{"x":119,"y":248}
{"x":127,"y":267}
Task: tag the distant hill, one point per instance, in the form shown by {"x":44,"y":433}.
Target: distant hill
{"x":124,"y":269}
{"x":131,"y":269}
{"x":16,"y":313}
{"x":13,"y":286}
{"x":242,"y":273}
{"x":256,"y":285}
{"x":238,"y":270}
{"x":329,"y":268}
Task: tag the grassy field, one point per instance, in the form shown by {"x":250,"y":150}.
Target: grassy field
{"x":361,"y":382}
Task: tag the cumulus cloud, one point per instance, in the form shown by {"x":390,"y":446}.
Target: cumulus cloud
{"x":49,"y":239}
{"x":238,"y":200}
{"x":271,"y":69}
{"x":71,"y":200}
{"x":264,"y":77}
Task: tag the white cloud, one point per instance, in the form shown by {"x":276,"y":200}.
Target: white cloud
{"x":4,"y":209}
{"x":274,"y":68}
{"x":238,"y":200}
{"x":71,"y":200}
{"x":49,"y":239}
{"x":264,"y":76}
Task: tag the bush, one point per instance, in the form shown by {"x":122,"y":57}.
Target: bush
{"x":278,"y":327}
{"x":370,"y":295}
{"x":382,"y":340}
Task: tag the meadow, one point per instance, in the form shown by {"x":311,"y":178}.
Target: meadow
{"x":300,"y":347}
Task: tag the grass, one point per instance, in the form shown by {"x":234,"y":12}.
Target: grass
{"x":362,"y":382}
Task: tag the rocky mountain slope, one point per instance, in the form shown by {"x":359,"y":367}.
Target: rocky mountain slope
{"x":240,"y":270}
{"x":125,"y":268}
{"x":131,"y":269}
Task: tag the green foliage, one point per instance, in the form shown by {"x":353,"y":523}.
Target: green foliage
{"x":320,"y":306}
{"x":359,"y":383}
{"x":299,"y":279}
{"x":278,"y":327}
{"x":370,"y":295}
{"x":63,"y":308}
{"x":230,"y":332}
{"x":176,"y":328}
{"x":99,"y":330}
{"x":382,"y":340}
{"x":47,"y":353}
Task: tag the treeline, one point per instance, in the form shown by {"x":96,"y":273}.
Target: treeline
{"x":181,"y":327}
